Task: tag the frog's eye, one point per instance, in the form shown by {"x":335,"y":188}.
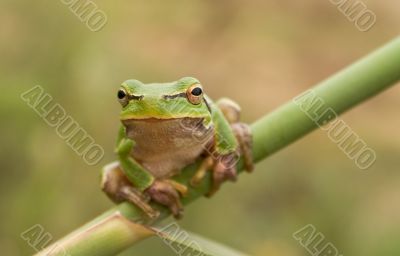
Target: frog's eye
{"x":195,"y":94}
{"x":123,"y":97}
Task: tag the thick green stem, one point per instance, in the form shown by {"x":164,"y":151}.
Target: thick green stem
{"x":112,"y":232}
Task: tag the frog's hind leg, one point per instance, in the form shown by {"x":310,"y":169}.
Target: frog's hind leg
{"x":205,"y":165}
{"x":182,"y":189}
{"x":117,"y":187}
{"x":231,"y":111}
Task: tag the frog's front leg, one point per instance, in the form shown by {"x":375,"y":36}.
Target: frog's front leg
{"x":132,"y":182}
{"x":242,"y":131}
{"x":118,"y":188}
{"x":232,"y":139}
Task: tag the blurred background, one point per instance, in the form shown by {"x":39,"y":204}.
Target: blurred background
{"x":259,"y":53}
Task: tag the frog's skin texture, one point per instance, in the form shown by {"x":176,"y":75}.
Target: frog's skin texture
{"x":165,"y":127}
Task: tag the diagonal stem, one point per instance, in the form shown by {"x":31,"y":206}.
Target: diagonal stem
{"x":115,"y":230}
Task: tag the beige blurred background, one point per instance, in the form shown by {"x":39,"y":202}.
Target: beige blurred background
{"x":259,"y":53}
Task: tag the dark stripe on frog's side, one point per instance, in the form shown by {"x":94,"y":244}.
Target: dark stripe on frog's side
{"x":183,"y":95}
{"x":208,"y":105}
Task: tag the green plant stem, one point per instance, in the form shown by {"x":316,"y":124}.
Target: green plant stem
{"x":113,"y":231}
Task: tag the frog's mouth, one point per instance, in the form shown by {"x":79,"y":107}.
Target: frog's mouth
{"x":185,"y":121}
{"x":173,"y":127}
{"x":150,"y":119}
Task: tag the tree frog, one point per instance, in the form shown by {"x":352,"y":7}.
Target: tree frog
{"x":165,"y":127}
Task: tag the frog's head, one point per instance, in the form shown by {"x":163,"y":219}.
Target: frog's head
{"x":165,"y":101}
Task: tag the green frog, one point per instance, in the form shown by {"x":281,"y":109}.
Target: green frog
{"x":165,"y":127}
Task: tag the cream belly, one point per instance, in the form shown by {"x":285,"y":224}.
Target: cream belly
{"x":164,"y":147}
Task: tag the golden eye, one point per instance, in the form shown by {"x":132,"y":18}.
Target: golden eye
{"x":123,"y":97}
{"x":195,"y":94}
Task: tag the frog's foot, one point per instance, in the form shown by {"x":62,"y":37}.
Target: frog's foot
{"x":224,"y":169}
{"x":166,"y":192}
{"x":219,"y":167}
{"x":117,"y":187}
{"x":243,"y":135}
